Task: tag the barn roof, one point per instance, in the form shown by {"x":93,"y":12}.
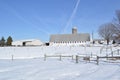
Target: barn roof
{"x":70,"y":37}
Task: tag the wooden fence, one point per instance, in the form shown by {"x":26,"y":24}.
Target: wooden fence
{"x":84,"y":57}
{"x":59,"y":56}
{"x":107,"y":57}
{"x":115,"y":52}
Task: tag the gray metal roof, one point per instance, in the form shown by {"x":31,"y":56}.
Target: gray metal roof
{"x":58,"y":38}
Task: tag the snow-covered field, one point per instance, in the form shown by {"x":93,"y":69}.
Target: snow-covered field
{"x":29,"y":64}
{"x":53,"y":69}
{"x":35,"y":52}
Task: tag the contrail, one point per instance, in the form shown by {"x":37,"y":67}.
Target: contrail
{"x":72,"y":16}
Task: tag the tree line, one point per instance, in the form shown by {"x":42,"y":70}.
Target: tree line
{"x":111,"y":30}
{"x":7,"y":42}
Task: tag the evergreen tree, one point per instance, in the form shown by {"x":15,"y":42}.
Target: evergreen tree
{"x":9,"y":41}
{"x":2,"y":42}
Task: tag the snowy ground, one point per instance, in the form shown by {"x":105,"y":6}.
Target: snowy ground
{"x":33,"y":52}
{"x":28,"y":64}
{"x":53,"y":69}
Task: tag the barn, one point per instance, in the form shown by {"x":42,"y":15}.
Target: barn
{"x":74,"y":38}
{"x":29,"y":42}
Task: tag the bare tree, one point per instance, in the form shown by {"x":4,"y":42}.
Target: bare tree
{"x":106,"y":31}
{"x":116,"y":24}
{"x":118,"y":16}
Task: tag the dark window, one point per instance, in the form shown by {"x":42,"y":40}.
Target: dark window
{"x":24,"y":43}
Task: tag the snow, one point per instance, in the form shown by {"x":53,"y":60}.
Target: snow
{"x":29,"y":64}
{"x":33,"y":52}
{"x":52,"y":69}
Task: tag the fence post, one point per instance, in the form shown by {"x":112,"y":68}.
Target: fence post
{"x":89,"y":59}
{"x":118,"y":51}
{"x":60,"y":57}
{"x":107,"y":56}
{"x":91,"y":54}
{"x":76,"y":58}
{"x":112,"y":53}
{"x":12,"y":57}
{"x":45,"y":57}
{"x":72,"y":57}
{"x":97,"y":60}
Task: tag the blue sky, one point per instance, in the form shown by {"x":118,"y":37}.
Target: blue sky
{"x":38,"y":19}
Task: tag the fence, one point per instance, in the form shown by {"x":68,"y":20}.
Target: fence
{"x":117,"y":52}
{"x":59,"y":56}
{"x":107,"y":57}
{"x":87,"y":58}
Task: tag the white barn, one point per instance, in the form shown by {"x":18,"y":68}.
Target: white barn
{"x":70,"y":39}
{"x":29,"y":42}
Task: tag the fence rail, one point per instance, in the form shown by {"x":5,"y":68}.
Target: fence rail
{"x":84,"y":57}
{"x":107,"y":57}
{"x":115,"y":52}
{"x":59,"y":56}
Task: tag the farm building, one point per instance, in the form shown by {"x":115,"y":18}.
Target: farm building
{"x":30,"y":42}
{"x":74,"y":38}
{"x":99,"y":41}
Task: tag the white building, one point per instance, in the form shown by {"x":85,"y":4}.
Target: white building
{"x":70,"y":39}
{"x":29,"y":42}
